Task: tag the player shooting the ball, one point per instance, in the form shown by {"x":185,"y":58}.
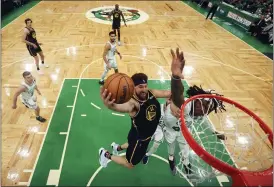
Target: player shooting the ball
{"x":145,"y":112}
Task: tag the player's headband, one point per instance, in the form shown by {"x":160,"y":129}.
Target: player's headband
{"x":139,"y":81}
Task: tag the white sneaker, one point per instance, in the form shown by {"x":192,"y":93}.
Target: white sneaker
{"x":119,"y":43}
{"x":45,"y":65}
{"x":115,"y":148}
{"x":102,"y":159}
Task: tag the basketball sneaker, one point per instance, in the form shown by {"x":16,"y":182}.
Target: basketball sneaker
{"x":115,"y":148}
{"x":220,"y":135}
{"x":145,"y":159}
{"x":101,"y":82}
{"x":41,"y":119}
{"x":103,"y":160}
{"x":188,"y":169}
{"x":172,"y":166}
{"x":45,"y":65}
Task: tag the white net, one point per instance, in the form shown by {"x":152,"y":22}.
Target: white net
{"x":230,"y":135}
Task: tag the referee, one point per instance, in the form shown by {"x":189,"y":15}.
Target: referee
{"x":213,"y":9}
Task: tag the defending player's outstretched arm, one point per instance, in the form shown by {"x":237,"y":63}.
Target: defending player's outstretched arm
{"x":177,"y":88}
{"x":161,"y":93}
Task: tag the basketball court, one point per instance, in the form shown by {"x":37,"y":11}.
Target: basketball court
{"x":78,"y":161}
{"x":64,"y":151}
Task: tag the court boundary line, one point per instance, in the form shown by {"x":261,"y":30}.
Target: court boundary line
{"x":2,"y":29}
{"x":123,"y":154}
{"x":230,"y":33}
{"x":46,"y":132}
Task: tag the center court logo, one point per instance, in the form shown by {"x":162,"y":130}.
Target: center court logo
{"x":132,"y":15}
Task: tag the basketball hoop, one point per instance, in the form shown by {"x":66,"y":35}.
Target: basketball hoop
{"x":245,"y":153}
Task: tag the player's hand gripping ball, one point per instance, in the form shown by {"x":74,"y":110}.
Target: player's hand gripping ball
{"x":120,"y":86}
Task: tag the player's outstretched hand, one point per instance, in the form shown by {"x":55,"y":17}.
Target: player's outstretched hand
{"x":178,"y":63}
{"x":106,"y":97}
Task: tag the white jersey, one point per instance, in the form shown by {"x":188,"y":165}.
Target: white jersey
{"x":171,"y":121}
{"x":29,"y":90}
{"x":111,"y":52}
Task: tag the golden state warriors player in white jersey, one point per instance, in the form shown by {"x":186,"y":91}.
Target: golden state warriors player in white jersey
{"x":26,"y":91}
{"x":109,"y":56}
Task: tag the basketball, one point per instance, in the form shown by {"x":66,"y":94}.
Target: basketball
{"x":120,"y":86}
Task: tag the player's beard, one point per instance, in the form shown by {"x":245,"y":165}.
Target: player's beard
{"x":112,"y":40}
{"x":142,"y":96}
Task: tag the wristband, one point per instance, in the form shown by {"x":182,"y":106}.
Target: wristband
{"x":175,"y":77}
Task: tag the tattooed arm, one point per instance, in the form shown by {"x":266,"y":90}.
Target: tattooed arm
{"x":177,"y":90}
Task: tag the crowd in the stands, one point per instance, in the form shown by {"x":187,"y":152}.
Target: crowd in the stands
{"x":259,"y":7}
{"x":9,"y":5}
{"x":263,"y":28}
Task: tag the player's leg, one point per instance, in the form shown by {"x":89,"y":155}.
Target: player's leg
{"x":136,"y":149}
{"x":119,"y":41}
{"x":136,"y":152}
{"x":38,"y":117}
{"x":116,"y":147}
{"x":105,"y":156}
{"x":114,"y":65}
{"x":133,"y":154}
{"x":42,"y":56}
{"x":184,"y":152}
{"x":157,"y":140}
{"x":33,"y":53}
{"x":170,"y":136}
{"x":36,"y":59}
{"x":104,"y":74}
{"x":116,"y":26}
{"x":32,"y":104}
{"x":114,"y":29}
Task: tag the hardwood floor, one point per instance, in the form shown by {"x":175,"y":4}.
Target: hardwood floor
{"x":71,"y":43}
